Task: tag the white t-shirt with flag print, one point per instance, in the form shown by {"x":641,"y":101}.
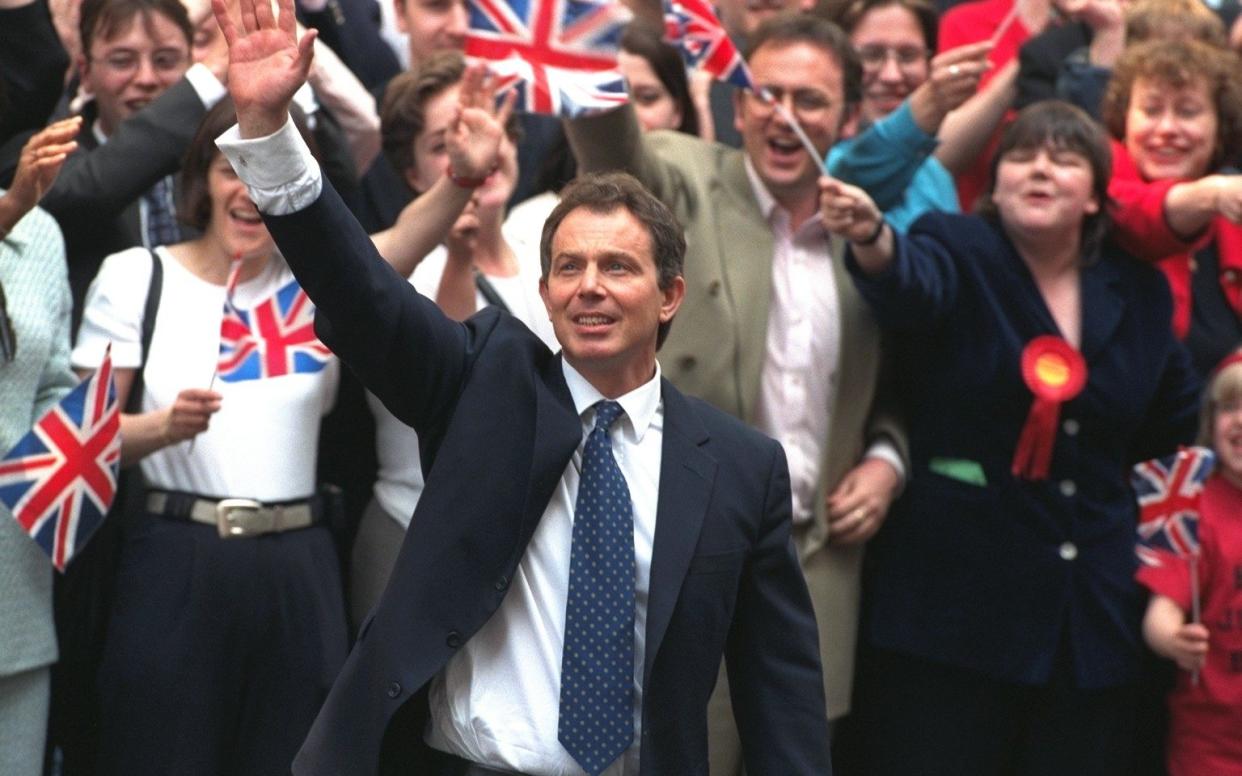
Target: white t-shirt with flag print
{"x":262,"y":442}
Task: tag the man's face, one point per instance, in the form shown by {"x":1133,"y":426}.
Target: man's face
{"x":809,"y":82}
{"x":432,"y":25}
{"x":741,"y":17}
{"x":130,"y":69}
{"x":603,"y":296}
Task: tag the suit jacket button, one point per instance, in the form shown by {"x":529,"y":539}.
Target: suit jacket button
{"x":713,"y":288}
{"x":394,"y":689}
{"x":686,"y":362}
{"x":453,"y":640}
{"x":502,"y":584}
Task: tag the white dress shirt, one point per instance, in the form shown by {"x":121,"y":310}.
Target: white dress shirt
{"x":802,"y":352}
{"x":497,"y":701}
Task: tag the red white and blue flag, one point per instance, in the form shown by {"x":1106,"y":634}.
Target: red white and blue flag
{"x":1168,"y":491}
{"x":560,"y":55}
{"x":275,"y":338}
{"x":60,"y":478}
{"x":692,"y":26}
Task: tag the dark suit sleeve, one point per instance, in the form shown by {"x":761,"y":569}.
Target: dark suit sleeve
{"x":100,"y":182}
{"x":32,"y":66}
{"x":772,"y":655}
{"x":405,"y":351}
{"x":921,"y":284}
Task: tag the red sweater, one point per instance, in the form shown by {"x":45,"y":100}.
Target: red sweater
{"x":1141,"y":229}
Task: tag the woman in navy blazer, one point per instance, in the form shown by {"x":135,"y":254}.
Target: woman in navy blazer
{"x":1002,"y":619}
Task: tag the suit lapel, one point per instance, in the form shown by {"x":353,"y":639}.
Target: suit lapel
{"x":687,"y":473}
{"x":558,"y":431}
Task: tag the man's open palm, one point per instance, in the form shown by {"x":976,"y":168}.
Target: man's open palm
{"x":267,"y":63}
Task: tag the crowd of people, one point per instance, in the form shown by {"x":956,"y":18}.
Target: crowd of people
{"x":966,"y":262}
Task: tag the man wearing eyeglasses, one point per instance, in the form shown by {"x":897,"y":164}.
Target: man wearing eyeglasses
{"x":772,"y":330}
{"x":147,"y":98}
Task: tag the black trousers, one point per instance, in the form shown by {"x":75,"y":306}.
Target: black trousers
{"x":914,"y":717}
{"x":219,"y":651}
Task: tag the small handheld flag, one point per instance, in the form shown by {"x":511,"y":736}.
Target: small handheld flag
{"x":559,"y":55}
{"x":275,"y":338}
{"x":60,"y":478}
{"x":692,"y":26}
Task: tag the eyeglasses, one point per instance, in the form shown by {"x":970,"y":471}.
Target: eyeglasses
{"x":807,"y":103}
{"x":873,"y":57}
{"x":163,"y":62}
{"x":8,"y":335}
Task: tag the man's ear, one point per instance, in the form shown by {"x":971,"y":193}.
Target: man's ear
{"x":672,"y":298}
{"x":739,"y":105}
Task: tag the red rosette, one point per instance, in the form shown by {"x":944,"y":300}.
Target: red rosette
{"x":1055,"y":372}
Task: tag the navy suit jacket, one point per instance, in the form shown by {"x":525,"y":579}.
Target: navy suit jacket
{"x":498,"y":427}
{"x":1008,"y":577}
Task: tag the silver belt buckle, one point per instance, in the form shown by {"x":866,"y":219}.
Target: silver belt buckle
{"x":237,"y":517}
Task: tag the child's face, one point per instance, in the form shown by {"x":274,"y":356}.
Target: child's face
{"x":1227,"y":438}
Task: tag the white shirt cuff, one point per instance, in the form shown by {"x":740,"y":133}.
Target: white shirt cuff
{"x":278,"y":170}
{"x":206,"y":85}
{"x":885,"y":450}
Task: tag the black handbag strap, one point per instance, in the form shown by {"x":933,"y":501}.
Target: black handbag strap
{"x":133,"y":404}
{"x":489,"y":292}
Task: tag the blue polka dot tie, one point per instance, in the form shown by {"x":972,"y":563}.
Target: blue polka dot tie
{"x":597,"y":666}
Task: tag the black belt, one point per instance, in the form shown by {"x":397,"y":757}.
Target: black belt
{"x":237,"y":517}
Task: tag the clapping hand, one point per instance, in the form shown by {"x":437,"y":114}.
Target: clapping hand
{"x":268,"y":63}
{"x":474,"y":138}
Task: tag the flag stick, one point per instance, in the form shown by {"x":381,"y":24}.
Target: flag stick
{"x":789,"y":118}
{"x":1196,"y":612}
{"x":1005,"y":24}
{"x":230,"y":284}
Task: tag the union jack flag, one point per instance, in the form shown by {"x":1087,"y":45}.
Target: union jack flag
{"x":1168,"y":491}
{"x":560,"y":55}
{"x":275,"y":338}
{"x":692,"y":26}
{"x":60,"y":478}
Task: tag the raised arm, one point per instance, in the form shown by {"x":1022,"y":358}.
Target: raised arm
{"x":473,"y":142}
{"x":967,"y":129}
{"x":403,"y":348}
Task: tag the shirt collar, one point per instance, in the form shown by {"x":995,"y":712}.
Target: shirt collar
{"x":767,"y":203}
{"x":640,"y":404}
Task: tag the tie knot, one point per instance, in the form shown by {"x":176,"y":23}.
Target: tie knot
{"x":606,"y":413}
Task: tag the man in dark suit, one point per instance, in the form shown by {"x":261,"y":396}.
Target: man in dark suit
{"x":527,"y":617}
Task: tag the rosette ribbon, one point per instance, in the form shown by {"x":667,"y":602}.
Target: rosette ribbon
{"x":1056,"y":373}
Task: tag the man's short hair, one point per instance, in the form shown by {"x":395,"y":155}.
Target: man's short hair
{"x":604,"y":193}
{"x":107,"y":18}
{"x":790,"y":28}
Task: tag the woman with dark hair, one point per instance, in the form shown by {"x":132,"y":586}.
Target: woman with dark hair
{"x":1174,"y":109}
{"x":1002,"y":621}
{"x":656,"y":78}
{"x":228,"y":625}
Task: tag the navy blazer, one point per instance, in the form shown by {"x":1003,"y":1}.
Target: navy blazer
{"x":1008,"y":577}
{"x":497,"y":427}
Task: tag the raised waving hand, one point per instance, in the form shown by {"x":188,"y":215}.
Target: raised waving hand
{"x":267,"y":62}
